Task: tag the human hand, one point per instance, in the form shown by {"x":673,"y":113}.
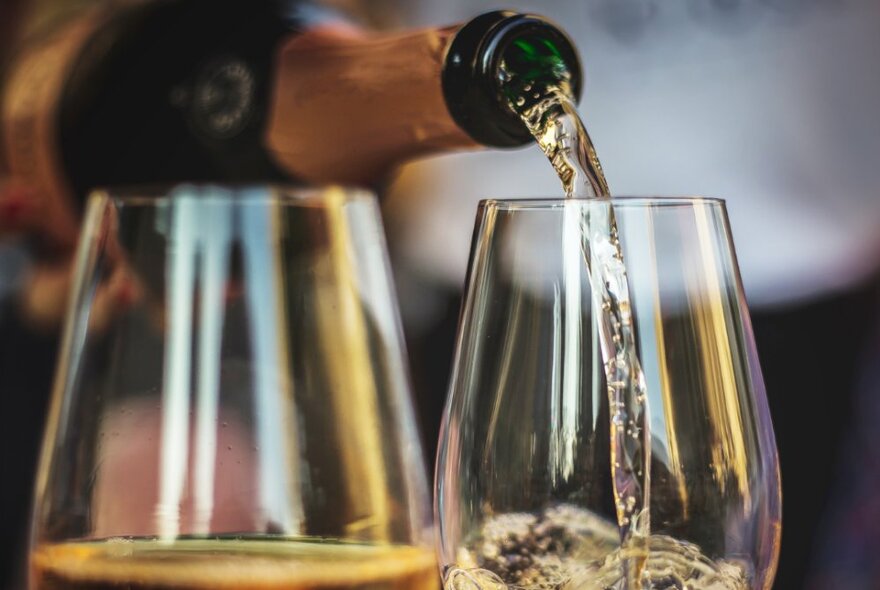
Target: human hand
{"x":42,"y":301}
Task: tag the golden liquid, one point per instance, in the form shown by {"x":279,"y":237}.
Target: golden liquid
{"x":554,"y":122}
{"x":241,"y":564}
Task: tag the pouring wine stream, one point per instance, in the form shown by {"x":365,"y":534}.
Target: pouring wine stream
{"x":551,"y":116}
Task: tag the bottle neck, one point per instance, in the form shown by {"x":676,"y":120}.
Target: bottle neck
{"x":499,"y":60}
{"x":347,"y":106}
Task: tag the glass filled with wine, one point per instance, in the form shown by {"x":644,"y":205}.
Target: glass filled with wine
{"x":607,"y":426}
{"x":231,"y":406}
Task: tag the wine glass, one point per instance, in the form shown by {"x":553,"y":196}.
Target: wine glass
{"x":232,"y":407}
{"x":525,"y":496}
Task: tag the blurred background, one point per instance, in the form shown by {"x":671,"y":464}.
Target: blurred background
{"x":773,"y":105}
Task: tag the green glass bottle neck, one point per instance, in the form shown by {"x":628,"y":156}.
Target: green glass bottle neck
{"x":500,"y":60}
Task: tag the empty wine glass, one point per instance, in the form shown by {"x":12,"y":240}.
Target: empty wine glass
{"x":524,"y":491}
{"x":232,"y":408}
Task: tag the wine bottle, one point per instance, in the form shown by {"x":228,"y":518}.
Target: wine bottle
{"x":250,"y":90}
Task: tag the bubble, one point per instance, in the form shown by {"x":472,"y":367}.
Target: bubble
{"x":474,"y":579}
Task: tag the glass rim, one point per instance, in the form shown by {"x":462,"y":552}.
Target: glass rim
{"x":544,"y":203}
{"x":160,"y":194}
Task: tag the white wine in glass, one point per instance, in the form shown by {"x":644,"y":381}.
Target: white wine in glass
{"x":232,"y":408}
{"x":525,"y":493}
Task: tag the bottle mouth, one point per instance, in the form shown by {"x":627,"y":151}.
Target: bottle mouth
{"x":491,"y":47}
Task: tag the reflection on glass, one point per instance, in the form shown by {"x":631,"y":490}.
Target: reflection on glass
{"x":231,"y":405}
{"x":523,"y":484}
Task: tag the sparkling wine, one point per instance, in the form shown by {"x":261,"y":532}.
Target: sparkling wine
{"x":142,"y":564}
{"x":566,"y":547}
{"x":569,"y":548}
{"x":543,"y":97}
{"x":241,"y":91}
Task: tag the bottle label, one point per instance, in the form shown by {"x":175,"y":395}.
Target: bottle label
{"x":30,"y":112}
{"x":223,"y":100}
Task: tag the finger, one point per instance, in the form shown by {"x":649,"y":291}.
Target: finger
{"x":18,"y":209}
{"x":119,"y":293}
{"x":45,"y":296}
{"x":25,"y":211}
